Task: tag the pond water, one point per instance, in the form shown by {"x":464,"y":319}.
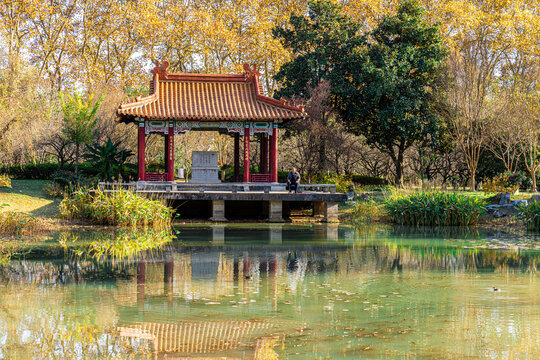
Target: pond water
{"x":262,"y":291}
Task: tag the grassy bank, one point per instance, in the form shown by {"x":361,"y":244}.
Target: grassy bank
{"x":27,"y":196}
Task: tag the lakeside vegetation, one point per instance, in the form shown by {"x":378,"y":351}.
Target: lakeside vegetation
{"x":434,"y":209}
{"x":118,"y":208}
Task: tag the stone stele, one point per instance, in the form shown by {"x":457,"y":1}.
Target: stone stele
{"x":204,"y":169}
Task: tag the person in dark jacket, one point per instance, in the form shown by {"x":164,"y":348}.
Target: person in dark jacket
{"x":293,"y":179}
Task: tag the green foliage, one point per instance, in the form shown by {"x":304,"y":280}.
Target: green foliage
{"x":386,"y":88}
{"x":119,"y":208}
{"x":79,"y":120}
{"x":46,"y":171}
{"x":434,"y":209}
{"x":5,"y":181}
{"x":365,"y":180}
{"x":392,"y":98}
{"x":320,"y":41}
{"x":109,"y":160}
{"x":65,"y":178}
{"x":530,"y":214}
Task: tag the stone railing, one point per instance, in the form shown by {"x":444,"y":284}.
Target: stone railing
{"x":153,"y":186}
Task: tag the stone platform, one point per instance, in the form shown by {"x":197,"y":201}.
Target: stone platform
{"x":323,"y":197}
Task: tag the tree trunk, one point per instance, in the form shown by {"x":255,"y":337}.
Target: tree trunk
{"x":473,"y":179}
{"x":77,"y":162}
{"x":533,"y":178}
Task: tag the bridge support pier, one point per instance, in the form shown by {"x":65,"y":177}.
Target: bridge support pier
{"x":328,"y":210}
{"x":218,"y":210}
{"x":275,"y":211}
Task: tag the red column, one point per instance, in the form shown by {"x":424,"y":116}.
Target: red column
{"x":141,"y":152}
{"x":236,"y":157}
{"x":170,"y":154}
{"x":264,"y":154}
{"x":273,"y":155}
{"x":246,"y":154}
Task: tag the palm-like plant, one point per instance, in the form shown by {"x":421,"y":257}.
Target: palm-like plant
{"x":110,"y":161}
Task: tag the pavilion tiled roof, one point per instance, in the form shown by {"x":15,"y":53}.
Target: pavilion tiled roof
{"x":207,"y":97}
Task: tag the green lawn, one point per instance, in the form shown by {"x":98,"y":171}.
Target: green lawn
{"x":28,"y":196}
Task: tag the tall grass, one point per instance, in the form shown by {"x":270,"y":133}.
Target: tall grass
{"x":434,"y":209}
{"x":13,"y":223}
{"x":530,"y":214}
{"x":119,"y":208}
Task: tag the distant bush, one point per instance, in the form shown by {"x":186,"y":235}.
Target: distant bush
{"x":118,"y":208}
{"x":45,"y":171}
{"x":530,"y":214}
{"x":5,"y":181}
{"x":343,"y":182}
{"x":434,"y":209}
{"x":507,"y":182}
{"x":54,"y":190}
{"x":365,"y":180}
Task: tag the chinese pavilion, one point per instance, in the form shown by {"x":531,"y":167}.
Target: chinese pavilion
{"x":228,"y":103}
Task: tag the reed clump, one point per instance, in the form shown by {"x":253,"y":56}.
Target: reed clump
{"x":14,"y":223}
{"x":530,"y":214}
{"x":434,"y":209}
{"x":118,"y":208}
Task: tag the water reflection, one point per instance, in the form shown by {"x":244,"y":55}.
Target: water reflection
{"x":294,"y":292}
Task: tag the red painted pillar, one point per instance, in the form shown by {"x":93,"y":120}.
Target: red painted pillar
{"x":170,"y":154}
{"x":236,"y":157}
{"x":141,"y":152}
{"x":264,"y":154}
{"x":246,"y":154}
{"x":273,"y":155}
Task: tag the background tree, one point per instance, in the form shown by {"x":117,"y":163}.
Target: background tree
{"x":390,"y":91}
{"x":79,"y":121}
{"x":319,"y":41}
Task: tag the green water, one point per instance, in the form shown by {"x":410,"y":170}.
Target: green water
{"x":277,"y":292}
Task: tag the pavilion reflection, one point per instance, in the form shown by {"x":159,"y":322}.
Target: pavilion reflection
{"x":208,"y":339}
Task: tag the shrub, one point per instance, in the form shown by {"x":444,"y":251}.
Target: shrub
{"x":54,"y":190}
{"x":5,"y":181}
{"x":47,"y":170}
{"x":118,"y":208}
{"x":365,"y":180}
{"x":530,"y":214}
{"x":434,"y":209}
{"x":367,"y":211}
{"x":500,"y":184}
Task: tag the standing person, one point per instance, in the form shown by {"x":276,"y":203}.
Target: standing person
{"x":293,"y":179}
